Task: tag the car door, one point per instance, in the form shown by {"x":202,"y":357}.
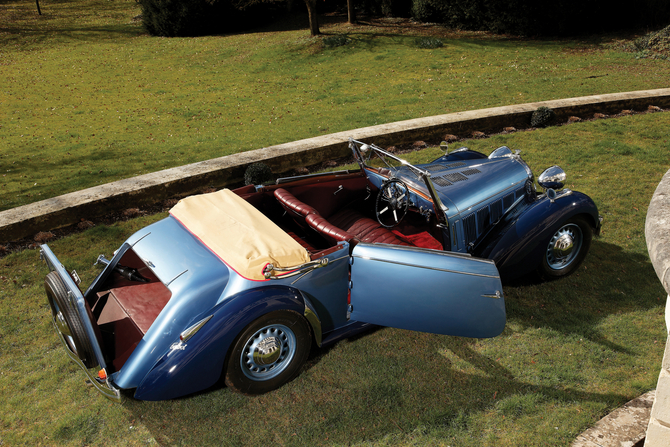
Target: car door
{"x":426,"y":290}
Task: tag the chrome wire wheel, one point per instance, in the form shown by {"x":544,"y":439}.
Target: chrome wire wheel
{"x":564,"y":246}
{"x":268,"y":352}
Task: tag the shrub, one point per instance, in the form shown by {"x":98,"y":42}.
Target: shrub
{"x":431,"y":10}
{"x":529,"y":17}
{"x":171,"y":18}
{"x":257,"y":174}
{"x":428,"y":42}
{"x":654,"y":44}
{"x":387,"y":8}
{"x":335,"y":41}
{"x":542,"y":117}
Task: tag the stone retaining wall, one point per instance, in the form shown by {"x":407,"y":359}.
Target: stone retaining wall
{"x":68,"y":209}
{"x":657,"y":233}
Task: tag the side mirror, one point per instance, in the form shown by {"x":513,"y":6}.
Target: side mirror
{"x":552,"y":178}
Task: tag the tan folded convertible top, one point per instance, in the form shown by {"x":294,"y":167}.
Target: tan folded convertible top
{"x":243,"y":237}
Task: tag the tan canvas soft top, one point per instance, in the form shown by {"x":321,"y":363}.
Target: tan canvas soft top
{"x":243,"y":237}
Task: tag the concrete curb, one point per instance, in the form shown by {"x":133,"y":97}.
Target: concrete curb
{"x":657,"y":233}
{"x":625,"y":426}
{"x":152,"y":188}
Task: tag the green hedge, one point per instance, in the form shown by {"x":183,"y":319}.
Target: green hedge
{"x":530,"y":17}
{"x":518,"y":17}
{"x":172,"y":18}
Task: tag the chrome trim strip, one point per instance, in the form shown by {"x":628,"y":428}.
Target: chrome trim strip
{"x":428,"y":268}
{"x":192,"y":330}
{"x":173,"y":279}
{"x":137,"y":241}
{"x":313,"y":320}
{"x":453,"y":254}
{"x":282,"y":180}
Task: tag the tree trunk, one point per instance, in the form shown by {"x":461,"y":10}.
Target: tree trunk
{"x":313,"y":20}
{"x":351,"y":11}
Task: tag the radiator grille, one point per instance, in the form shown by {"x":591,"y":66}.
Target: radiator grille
{"x":470,"y":228}
{"x":483,"y":217}
{"x":508,"y":200}
{"x":478,"y":222}
{"x":496,"y":210}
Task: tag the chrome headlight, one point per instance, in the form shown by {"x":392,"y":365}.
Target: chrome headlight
{"x":501,"y":152}
{"x":552,"y":178}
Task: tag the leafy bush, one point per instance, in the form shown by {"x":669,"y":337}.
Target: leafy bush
{"x":542,"y":117}
{"x":172,"y":18}
{"x":387,"y":8}
{"x":257,"y":174}
{"x":655,"y":44}
{"x":335,"y":41}
{"x":529,"y":17}
{"x":431,"y":10}
{"x":428,"y":42}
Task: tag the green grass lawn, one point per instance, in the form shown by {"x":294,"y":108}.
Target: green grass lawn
{"x":573,"y":350}
{"x":87,"y":97}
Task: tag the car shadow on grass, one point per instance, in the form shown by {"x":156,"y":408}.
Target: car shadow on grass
{"x":568,"y":355}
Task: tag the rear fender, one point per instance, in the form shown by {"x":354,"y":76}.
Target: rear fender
{"x":197,"y":364}
{"x":516,"y":242}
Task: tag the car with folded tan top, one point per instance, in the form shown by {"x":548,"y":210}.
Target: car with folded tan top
{"x":240,"y":285}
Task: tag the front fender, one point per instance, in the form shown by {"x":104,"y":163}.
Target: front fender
{"x":198,"y":363}
{"x":516,"y":243}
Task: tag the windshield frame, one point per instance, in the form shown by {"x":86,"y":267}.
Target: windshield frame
{"x":360,"y":150}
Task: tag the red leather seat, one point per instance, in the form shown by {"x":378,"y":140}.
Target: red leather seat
{"x":344,"y":225}
{"x":363,"y":228}
{"x":292,"y":204}
{"x":327,"y":229}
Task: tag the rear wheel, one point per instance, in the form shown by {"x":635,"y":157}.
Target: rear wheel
{"x":566,"y":248}
{"x":268,"y":353}
{"x":67,"y":321}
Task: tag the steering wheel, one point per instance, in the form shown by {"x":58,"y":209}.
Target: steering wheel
{"x":392,"y":202}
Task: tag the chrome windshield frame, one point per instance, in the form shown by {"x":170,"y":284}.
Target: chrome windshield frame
{"x":422,"y":174}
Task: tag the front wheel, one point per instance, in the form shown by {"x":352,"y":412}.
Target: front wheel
{"x":566,"y":248}
{"x":268,"y":353}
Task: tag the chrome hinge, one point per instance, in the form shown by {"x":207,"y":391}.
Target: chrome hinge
{"x":496,"y":295}
{"x":75,"y":277}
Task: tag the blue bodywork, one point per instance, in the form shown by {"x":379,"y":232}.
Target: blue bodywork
{"x":483,"y":211}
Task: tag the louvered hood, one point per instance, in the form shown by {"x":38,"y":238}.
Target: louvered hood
{"x":467,"y":186}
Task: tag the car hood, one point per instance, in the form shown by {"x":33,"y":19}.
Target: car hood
{"x":463,"y":185}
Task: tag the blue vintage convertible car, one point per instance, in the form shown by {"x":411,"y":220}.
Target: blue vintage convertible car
{"x":239,"y":285}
